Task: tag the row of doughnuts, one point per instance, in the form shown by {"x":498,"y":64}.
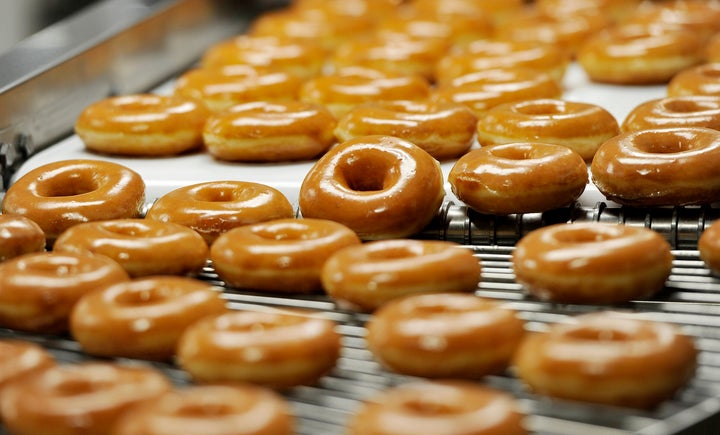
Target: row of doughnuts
{"x":40,"y":396}
{"x":255,"y":247}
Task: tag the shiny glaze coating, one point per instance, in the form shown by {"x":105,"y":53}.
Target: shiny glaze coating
{"x":709,"y":246}
{"x":279,"y":349}
{"x":85,"y":398}
{"x":608,"y":358}
{"x":38,"y":290}
{"x":579,"y":126}
{"x":21,"y":358}
{"x":453,"y":29}
{"x":615,"y":10}
{"x":61,"y":194}
{"x":698,"y":80}
{"x":499,"y":11}
{"x":148,"y":313}
{"x":19,"y":235}
{"x":444,"y":335}
{"x":568,"y":31}
{"x":438,"y":408}
{"x":518,"y":178}
{"x":344,"y":89}
{"x":444,"y":130}
{"x":639,"y":53}
{"x":395,"y":54}
{"x":141,"y":246}
{"x":486,"y":54}
{"x":221,"y":88}
{"x":311,"y":24}
{"x":485,"y":89}
{"x":284,"y":255}
{"x":214,"y":207}
{"x":698,"y":16}
{"x":380,"y":186}
{"x":298,"y":58}
{"x":211,"y":409}
{"x":592,"y":263}
{"x":269,"y":132}
{"x":366,"y":276}
{"x":670,"y":166}
{"x":680,"y":111}
{"x":143,"y":125}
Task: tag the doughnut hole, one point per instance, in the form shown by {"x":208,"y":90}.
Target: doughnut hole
{"x":685,"y":105}
{"x":598,"y":334}
{"x":665,"y":143}
{"x":427,"y":408}
{"x":582,"y":235}
{"x":540,"y":108}
{"x":216,"y":194}
{"x":140,"y":297}
{"x":711,"y":71}
{"x":67,"y":184}
{"x":368,"y":172}
{"x":79,"y":387}
{"x":206,"y":409}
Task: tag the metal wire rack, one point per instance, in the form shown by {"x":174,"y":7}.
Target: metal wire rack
{"x":691,"y":298}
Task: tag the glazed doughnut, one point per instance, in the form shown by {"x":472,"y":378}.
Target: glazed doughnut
{"x":214,"y":207}
{"x":568,"y":31}
{"x":143,"y":125}
{"x":499,"y":11}
{"x":278,"y":349}
{"x":438,"y":408}
{"x":487,"y":54}
{"x":19,"y":235}
{"x":709,"y":246}
{"x":141,"y":246}
{"x":372,"y":9}
{"x":698,"y":80}
{"x":61,"y":194}
{"x":697,"y":16}
{"x":270,"y":132}
{"x":342,"y":90}
{"x":444,"y":335}
{"x":639,"y":54}
{"x":582,"y":127}
{"x":317,"y":25}
{"x":518,"y":178}
{"x":85,"y":398}
{"x":380,"y":186}
{"x":284,"y":255}
{"x":149,"y":313}
{"x":680,"y":111}
{"x":452,"y":29}
{"x":301,"y":59}
{"x":609,"y":358}
{"x":21,"y":358}
{"x":39,"y":290}
{"x":444,"y":130}
{"x":211,"y":409}
{"x":367,"y":276}
{"x":485,"y":89}
{"x":669,"y":166}
{"x":617,"y":11}
{"x":395,"y":54}
{"x":592,"y":263}
{"x":222,"y":88}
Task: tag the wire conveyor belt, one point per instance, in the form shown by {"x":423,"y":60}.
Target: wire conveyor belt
{"x":691,"y":299}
